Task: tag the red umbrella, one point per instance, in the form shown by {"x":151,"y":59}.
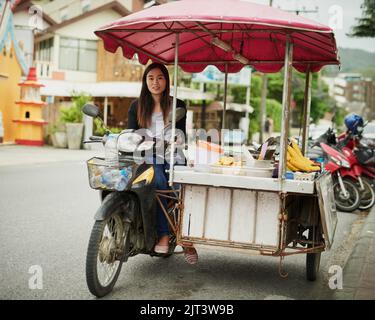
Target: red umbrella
{"x":221,"y":32}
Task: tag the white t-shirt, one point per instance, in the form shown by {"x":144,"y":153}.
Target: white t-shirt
{"x":157,"y":124}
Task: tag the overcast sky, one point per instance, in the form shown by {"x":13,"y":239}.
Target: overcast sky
{"x":330,"y":13}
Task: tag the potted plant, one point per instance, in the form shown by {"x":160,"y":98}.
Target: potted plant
{"x":72,"y":117}
{"x":58,"y":135}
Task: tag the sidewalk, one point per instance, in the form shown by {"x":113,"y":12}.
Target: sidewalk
{"x":359,"y":271}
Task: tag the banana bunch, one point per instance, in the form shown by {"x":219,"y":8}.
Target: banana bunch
{"x":297,"y":162}
{"x":227,"y":161}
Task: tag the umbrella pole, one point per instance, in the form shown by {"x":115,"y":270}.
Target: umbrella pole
{"x":171,"y":171}
{"x":286,"y":107}
{"x":225,"y":95}
{"x":306,"y":112}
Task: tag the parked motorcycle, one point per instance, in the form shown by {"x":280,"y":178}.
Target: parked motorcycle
{"x":364,"y":150}
{"x":347,"y":196}
{"x":125,"y":222}
{"x":364,"y":175}
{"x":358,"y":173}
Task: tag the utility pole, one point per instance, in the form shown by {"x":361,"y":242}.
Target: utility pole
{"x":304,"y":10}
{"x":263,"y":103}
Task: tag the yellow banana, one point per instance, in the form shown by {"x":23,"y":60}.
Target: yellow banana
{"x":302,"y":166}
{"x":298,"y":155}
{"x":291,"y":167}
{"x":296,"y":147}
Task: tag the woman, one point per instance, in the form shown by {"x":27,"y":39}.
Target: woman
{"x":151,"y":112}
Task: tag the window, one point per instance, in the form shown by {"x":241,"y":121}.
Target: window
{"x":77,"y":54}
{"x":85,"y":4}
{"x":43,"y":50}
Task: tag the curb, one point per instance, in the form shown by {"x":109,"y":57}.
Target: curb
{"x":356,"y":271}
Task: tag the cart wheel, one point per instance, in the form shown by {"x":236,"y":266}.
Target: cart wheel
{"x":312,"y":265}
{"x":312,"y":259}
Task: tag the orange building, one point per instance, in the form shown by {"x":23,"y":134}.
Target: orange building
{"x":12,"y":67}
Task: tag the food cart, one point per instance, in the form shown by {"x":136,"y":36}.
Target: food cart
{"x":272,"y":216}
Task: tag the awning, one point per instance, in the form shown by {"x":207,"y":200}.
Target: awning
{"x":58,"y":88}
{"x":224,"y":33}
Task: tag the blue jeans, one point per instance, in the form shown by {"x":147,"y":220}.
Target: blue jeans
{"x":161,"y":183}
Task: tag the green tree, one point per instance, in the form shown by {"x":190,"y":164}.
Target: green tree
{"x":273,"y":110}
{"x":366,"y":24}
{"x":74,"y":112}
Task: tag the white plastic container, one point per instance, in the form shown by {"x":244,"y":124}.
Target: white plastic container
{"x":207,"y":153}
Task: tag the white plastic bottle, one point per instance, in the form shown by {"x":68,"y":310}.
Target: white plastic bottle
{"x":111,"y":151}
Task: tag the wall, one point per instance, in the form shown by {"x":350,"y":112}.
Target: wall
{"x":9,"y":92}
{"x":84,"y":29}
{"x":114,"y":67}
{"x":23,"y":18}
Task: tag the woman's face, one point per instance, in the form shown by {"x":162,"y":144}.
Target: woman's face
{"x":156,"y":81}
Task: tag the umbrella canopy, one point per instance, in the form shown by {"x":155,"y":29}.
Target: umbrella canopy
{"x":230,"y":33}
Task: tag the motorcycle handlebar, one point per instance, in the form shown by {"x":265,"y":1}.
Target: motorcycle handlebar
{"x":95,"y":138}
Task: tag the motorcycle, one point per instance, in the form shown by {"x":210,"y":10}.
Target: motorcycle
{"x":347,"y":196}
{"x":364,"y":149}
{"x":125,"y":221}
{"x":358,"y":173}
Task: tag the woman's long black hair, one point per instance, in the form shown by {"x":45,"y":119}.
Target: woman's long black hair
{"x":146,"y":102}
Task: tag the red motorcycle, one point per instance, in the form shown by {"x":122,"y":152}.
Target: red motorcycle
{"x":362,"y":163}
{"x":347,"y":195}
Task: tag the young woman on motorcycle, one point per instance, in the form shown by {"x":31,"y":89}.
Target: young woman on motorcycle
{"x":150,"y":111}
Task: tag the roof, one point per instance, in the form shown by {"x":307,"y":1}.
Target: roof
{"x":114,"y":5}
{"x":111,"y":89}
{"x":24,"y":5}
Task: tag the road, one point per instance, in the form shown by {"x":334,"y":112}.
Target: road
{"x":46,"y":216}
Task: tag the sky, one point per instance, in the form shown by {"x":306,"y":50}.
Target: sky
{"x":338,"y":14}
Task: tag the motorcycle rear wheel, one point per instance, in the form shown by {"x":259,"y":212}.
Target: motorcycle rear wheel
{"x":104,"y":254}
{"x":352,"y":202}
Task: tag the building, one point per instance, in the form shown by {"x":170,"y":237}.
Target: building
{"x":12,"y":66}
{"x":370,"y":99}
{"x":68,"y":56}
{"x":354,"y":93}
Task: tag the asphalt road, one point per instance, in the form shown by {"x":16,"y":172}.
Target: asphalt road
{"x":46,"y":216}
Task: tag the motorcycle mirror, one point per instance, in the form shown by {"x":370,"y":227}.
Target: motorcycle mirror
{"x":90,"y":110}
{"x":180,"y":113}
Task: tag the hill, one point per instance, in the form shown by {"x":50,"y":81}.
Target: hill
{"x":355,"y":60}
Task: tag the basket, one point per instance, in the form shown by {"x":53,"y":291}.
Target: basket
{"x":103,"y":177}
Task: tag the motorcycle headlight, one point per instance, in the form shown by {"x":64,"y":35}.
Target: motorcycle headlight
{"x":345,"y":163}
{"x":128,"y":141}
{"x":146,"y":145}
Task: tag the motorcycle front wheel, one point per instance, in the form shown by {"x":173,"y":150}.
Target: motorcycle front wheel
{"x":349,"y":202}
{"x":105,"y":253}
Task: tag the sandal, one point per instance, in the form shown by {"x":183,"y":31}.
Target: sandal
{"x":161,"y":249}
{"x":191,"y":255}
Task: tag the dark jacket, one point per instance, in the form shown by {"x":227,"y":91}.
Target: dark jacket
{"x":132,"y":116}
